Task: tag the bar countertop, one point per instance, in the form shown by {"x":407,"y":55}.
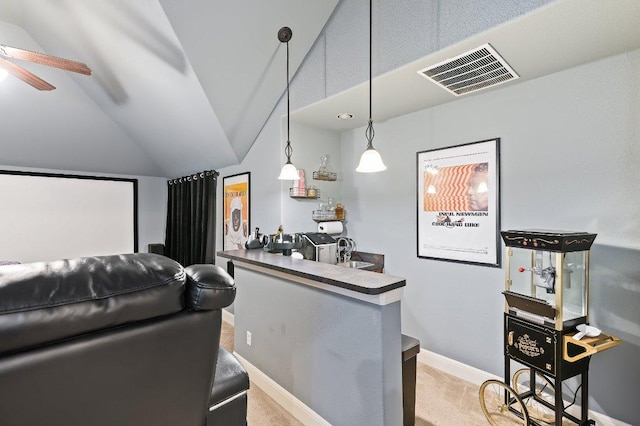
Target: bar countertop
{"x":357,"y":280}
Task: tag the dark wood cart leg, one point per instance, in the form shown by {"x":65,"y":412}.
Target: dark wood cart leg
{"x":507,"y":362}
{"x":559,"y":404}
{"x":584,"y":396}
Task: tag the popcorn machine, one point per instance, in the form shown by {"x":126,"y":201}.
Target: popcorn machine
{"x":546,"y":329}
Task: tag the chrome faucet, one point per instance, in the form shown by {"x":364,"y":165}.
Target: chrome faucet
{"x":345,"y":247}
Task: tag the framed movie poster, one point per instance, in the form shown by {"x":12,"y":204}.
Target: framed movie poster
{"x":236,"y":213}
{"x":458,"y":203}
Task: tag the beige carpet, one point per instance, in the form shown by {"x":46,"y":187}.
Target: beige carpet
{"x":441,"y":399}
{"x":262,"y":410}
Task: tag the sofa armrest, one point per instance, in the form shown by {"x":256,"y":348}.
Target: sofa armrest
{"x":228,"y":400}
{"x":208,"y":287}
{"x":230,"y":380}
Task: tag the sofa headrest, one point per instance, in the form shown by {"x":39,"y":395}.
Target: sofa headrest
{"x":209,"y":287}
{"x":47,"y":301}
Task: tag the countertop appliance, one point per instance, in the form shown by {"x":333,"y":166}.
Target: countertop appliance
{"x":282,"y":243}
{"x":320,"y":247}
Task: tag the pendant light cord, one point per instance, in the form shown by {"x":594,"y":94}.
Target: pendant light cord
{"x":369,"y":132}
{"x":287,"y":91}
{"x":289,"y":171}
{"x":370,"y":54}
{"x":288,"y":150}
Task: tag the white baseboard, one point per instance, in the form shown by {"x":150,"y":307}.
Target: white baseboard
{"x":455,"y":368}
{"x":477,"y":377}
{"x":293,"y":405}
{"x":227,"y":317}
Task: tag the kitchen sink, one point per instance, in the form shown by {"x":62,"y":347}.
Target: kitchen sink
{"x":358,"y":264}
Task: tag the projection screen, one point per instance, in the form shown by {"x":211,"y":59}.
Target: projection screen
{"x":55,"y":216}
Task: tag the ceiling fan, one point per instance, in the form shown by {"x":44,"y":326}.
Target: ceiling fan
{"x":39,"y":58}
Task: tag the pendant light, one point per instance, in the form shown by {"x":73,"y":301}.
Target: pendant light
{"x":289,"y":171}
{"x":370,"y":161}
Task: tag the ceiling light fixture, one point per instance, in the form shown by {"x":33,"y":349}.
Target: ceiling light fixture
{"x":289,"y":171}
{"x":370,"y":161}
{"x":345,"y":116}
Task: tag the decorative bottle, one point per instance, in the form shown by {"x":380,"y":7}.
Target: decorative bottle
{"x":302,"y":190}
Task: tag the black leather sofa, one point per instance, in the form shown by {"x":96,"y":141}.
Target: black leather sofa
{"x":117,"y":340}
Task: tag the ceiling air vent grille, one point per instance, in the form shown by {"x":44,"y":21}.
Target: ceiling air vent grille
{"x":474,"y":70}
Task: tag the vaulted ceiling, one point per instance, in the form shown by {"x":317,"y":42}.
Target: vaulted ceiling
{"x":177,"y":87}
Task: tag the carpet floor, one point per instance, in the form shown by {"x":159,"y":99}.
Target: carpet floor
{"x":441,"y":399}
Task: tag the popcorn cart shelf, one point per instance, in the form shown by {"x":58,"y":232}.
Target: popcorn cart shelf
{"x":546,"y":302}
{"x":587,"y":346}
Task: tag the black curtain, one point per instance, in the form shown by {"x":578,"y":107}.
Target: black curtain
{"x":191,"y":218}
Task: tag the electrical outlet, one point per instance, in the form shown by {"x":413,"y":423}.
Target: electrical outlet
{"x":249,"y":338}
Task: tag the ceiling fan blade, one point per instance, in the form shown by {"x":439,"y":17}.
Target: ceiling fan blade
{"x":41,"y":58}
{"x":25,"y":75}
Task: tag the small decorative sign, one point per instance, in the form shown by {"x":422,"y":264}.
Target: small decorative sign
{"x":528,"y":347}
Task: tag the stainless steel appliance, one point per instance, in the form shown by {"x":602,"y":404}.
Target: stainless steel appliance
{"x":282,"y":243}
{"x":320,"y":247}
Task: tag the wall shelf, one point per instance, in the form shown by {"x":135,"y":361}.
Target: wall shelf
{"x":320,"y":220}
{"x":326,"y":176}
{"x":304,"y":193}
{"x":326,"y":216}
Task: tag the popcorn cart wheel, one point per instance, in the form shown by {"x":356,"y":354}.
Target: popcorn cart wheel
{"x":539,"y":394}
{"x":501,"y":404}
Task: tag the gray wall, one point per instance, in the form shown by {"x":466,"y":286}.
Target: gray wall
{"x":403,"y":31}
{"x":568,"y":156}
{"x":311,"y":144}
{"x":332,"y":352}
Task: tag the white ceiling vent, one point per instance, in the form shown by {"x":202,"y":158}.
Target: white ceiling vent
{"x":474,"y":70}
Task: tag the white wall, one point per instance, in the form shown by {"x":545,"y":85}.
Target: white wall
{"x":152,"y":211}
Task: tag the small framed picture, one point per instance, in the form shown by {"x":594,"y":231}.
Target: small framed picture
{"x":237,"y":209}
{"x":458,"y":203}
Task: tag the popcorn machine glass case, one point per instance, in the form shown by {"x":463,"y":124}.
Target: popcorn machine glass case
{"x":547,"y":276}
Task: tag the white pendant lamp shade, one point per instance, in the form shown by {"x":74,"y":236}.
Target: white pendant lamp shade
{"x":289,"y":171}
{"x":370,"y":162}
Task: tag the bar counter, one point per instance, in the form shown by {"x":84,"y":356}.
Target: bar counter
{"x":328,"y":335}
{"x":364,"y":285}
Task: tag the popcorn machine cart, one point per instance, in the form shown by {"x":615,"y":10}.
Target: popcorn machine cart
{"x":546,"y":330}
